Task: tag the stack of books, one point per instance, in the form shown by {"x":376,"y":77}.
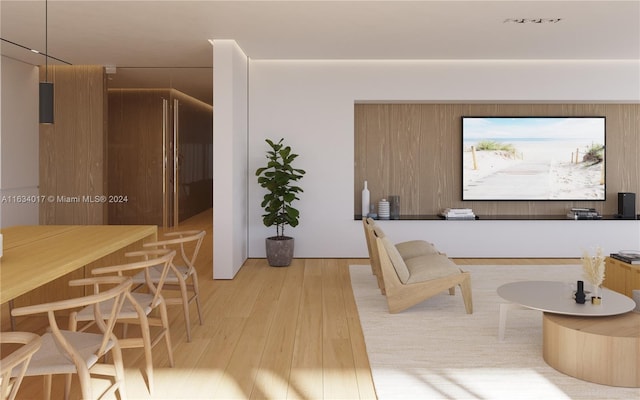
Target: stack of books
{"x":628,"y":256}
{"x":458,"y":213}
{"x":583,"y":213}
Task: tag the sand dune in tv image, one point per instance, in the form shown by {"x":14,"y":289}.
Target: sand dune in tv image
{"x":533,"y":159}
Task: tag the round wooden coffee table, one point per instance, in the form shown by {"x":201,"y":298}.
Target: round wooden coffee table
{"x":604,"y":350}
{"x":595,"y":343}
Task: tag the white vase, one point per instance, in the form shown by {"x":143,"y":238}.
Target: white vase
{"x":365,"y":200}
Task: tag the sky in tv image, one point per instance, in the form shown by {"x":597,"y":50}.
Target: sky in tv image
{"x":533,"y":158}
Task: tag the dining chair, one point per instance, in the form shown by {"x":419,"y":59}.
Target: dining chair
{"x":138,"y":307}
{"x":17,"y":361}
{"x":68,"y":352}
{"x":183,"y":275}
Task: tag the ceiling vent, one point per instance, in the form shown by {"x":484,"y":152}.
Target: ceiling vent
{"x":532,"y":20}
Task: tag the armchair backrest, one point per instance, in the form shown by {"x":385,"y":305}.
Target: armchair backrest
{"x":387,"y":249}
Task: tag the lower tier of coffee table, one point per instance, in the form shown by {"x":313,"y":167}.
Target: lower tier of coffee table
{"x":603,"y":350}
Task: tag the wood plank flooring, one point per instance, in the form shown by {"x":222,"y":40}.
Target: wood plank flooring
{"x":270,"y":333}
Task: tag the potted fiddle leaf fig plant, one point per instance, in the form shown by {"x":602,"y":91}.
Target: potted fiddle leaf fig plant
{"x":279,"y":177}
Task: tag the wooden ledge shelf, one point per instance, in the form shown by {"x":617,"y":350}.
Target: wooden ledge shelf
{"x":497,"y":218}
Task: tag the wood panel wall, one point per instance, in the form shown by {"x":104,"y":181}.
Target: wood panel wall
{"x":195,"y":156}
{"x":414,"y":151}
{"x":72,"y":150}
{"x":136,"y":155}
{"x":137,"y":152}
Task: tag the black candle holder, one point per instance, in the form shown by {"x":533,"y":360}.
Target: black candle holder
{"x":580,"y":295}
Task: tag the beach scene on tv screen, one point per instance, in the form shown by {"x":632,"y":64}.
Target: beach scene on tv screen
{"x":533,"y":158}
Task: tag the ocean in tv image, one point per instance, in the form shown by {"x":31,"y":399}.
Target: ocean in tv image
{"x":533,"y":158}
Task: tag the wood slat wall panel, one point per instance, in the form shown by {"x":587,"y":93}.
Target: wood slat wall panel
{"x":136,"y":155}
{"x":72,"y":150}
{"x":414,"y":150}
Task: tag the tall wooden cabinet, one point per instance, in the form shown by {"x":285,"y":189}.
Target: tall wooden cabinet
{"x":159,"y":152}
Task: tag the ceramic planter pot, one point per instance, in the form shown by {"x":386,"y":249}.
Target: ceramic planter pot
{"x":279,"y":251}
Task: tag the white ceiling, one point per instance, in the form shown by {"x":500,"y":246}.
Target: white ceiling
{"x":166,"y":42}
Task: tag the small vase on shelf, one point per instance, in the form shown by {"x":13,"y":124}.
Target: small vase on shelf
{"x":365,"y":200}
{"x":383,"y":209}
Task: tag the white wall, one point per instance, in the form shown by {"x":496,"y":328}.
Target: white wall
{"x":19,"y":136}
{"x":311,"y":105}
{"x":229,"y":159}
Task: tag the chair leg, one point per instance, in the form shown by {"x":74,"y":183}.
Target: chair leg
{"x":196,"y":292}
{"x":185,"y":308}
{"x":67,"y":386}
{"x":85,"y":383}
{"x":146,"y":342}
{"x":465,"y":288}
{"x":167,"y":333}
{"x":119,"y":370}
{"x":452,"y":291}
{"x":47,"y":388}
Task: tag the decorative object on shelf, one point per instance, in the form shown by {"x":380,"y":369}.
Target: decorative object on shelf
{"x":372,"y":211}
{"x":278,"y":178}
{"x":365,"y":200}
{"x":458,"y":213}
{"x":580,"y":296}
{"x":394,"y":206}
{"x":593,"y":268}
{"x":383,"y":209}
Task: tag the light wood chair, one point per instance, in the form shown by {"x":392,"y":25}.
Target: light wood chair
{"x":407,"y":249}
{"x":138,"y":307}
{"x":17,"y":361}
{"x":68,"y":352}
{"x":419,"y":278}
{"x":183,"y":275}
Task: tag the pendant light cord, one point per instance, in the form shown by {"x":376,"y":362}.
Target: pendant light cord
{"x":46,"y":40}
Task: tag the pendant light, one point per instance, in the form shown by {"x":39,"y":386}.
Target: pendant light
{"x":46,"y":87}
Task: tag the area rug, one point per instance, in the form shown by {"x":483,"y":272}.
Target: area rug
{"x":435,"y":350}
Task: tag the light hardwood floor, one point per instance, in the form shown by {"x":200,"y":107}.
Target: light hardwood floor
{"x":270,"y":333}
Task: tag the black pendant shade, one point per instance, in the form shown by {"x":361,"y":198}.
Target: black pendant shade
{"x":46,"y":102}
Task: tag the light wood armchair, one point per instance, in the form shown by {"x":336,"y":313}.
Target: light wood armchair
{"x":183,"y":275}
{"x":419,"y":278}
{"x":138,"y":307}
{"x":407,"y":250}
{"x":16,"y":363}
{"x":68,"y":352}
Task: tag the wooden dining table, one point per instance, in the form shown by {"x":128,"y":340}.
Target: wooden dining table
{"x":42,"y":256}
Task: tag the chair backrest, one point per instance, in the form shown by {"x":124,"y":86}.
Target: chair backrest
{"x":152,"y":258}
{"x":374,"y":255}
{"x":367,"y":224}
{"x":118,"y":287}
{"x":181,"y":239}
{"x":386,"y":249}
{"x":19,"y":359}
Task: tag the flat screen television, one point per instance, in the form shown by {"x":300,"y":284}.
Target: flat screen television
{"x":533,"y":158}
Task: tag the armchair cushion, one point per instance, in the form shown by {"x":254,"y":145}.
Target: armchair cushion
{"x":428,"y":267}
{"x":415,"y":248}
